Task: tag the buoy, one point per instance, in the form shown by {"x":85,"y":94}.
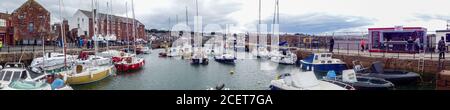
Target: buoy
{"x":232,"y":72}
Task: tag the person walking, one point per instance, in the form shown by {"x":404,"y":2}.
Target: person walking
{"x":441,"y":48}
{"x":331,"y":45}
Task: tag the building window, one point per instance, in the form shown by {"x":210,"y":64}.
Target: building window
{"x":2,"y":23}
{"x":31,"y":27}
{"x":82,"y":19}
{"x":78,"y":26}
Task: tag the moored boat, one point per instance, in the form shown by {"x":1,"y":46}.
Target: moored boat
{"x":322,"y":63}
{"x":225,"y":58}
{"x":129,"y":63}
{"x":14,"y":71}
{"x":89,"y":74}
{"x":359,"y":82}
{"x":297,"y":80}
{"x":398,"y":77}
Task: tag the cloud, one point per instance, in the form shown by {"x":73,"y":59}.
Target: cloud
{"x":428,"y":17}
{"x":211,"y":11}
{"x":314,"y":23}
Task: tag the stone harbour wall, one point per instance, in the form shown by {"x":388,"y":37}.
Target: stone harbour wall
{"x":431,"y":66}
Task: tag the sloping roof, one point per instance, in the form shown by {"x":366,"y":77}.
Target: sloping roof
{"x":30,"y":3}
{"x":102,"y":16}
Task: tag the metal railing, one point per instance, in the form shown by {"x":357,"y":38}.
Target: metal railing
{"x":51,"y":47}
{"x":411,"y":51}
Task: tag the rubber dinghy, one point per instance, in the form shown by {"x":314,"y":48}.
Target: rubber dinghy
{"x":360,"y":82}
{"x":397,"y":77}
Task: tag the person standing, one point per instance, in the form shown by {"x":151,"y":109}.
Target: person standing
{"x":1,"y":45}
{"x":410,"y":44}
{"x":417,"y":45}
{"x":331,"y":44}
{"x":441,"y":48}
{"x":362,"y":43}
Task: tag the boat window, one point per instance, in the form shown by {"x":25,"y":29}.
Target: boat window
{"x":323,"y":62}
{"x":317,"y":57}
{"x":16,"y":76}
{"x":323,"y":55}
{"x":24,"y":75}
{"x":2,"y":73}
{"x":328,"y":55}
{"x":7,"y":76}
{"x":330,"y":62}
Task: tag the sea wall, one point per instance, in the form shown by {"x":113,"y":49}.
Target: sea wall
{"x":431,"y":66}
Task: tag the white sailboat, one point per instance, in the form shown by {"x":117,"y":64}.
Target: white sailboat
{"x":90,"y":68}
{"x":284,"y":55}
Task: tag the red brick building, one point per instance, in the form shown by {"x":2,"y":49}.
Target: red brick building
{"x":5,"y":30}
{"x":30,"y":22}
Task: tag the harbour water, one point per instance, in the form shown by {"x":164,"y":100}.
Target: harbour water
{"x":176,"y":74}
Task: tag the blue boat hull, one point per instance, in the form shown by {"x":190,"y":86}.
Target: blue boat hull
{"x":323,"y":68}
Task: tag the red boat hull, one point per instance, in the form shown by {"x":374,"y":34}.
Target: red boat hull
{"x":130,"y":67}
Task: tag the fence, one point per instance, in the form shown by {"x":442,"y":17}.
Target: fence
{"x":51,"y":47}
{"x":354,"y":48}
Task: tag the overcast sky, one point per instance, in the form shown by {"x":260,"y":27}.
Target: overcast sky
{"x":304,"y":16}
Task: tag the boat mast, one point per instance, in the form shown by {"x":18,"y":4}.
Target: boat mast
{"x":128,"y":21}
{"x":62,"y":33}
{"x":108,"y":32}
{"x":94,"y":19}
{"x":187,"y":18}
{"x":259,"y":29}
{"x":134,"y":27}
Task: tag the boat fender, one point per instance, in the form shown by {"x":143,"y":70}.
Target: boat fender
{"x":331,"y":75}
{"x":92,"y":75}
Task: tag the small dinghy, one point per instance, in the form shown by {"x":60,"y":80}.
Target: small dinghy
{"x":297,"y":80}
{"x":397,"y":77}
{"x":360,"y":82}
{"x":219,"y":87}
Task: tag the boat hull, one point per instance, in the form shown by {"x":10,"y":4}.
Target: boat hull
{"x":226,"y":61}
{"x":323,"y":68}
{"x":129,"y":66}
{"x":90,"y":78}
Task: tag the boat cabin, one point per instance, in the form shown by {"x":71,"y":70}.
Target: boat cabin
{"x":324,"y":58}
{"x":16,"y":71}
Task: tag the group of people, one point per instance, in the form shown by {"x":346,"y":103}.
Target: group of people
{"x":412,"y":46}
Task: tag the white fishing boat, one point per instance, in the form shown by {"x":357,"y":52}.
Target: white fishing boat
{"x":16,"y":77}
{"x":285,"y":57}
{"x":261,"y":52}
{"x":53,"y":61}
{"x":17,"y":71}
{"x":199,"y":57}
{"x":297,"y":80}
{"x":145,"y":50}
